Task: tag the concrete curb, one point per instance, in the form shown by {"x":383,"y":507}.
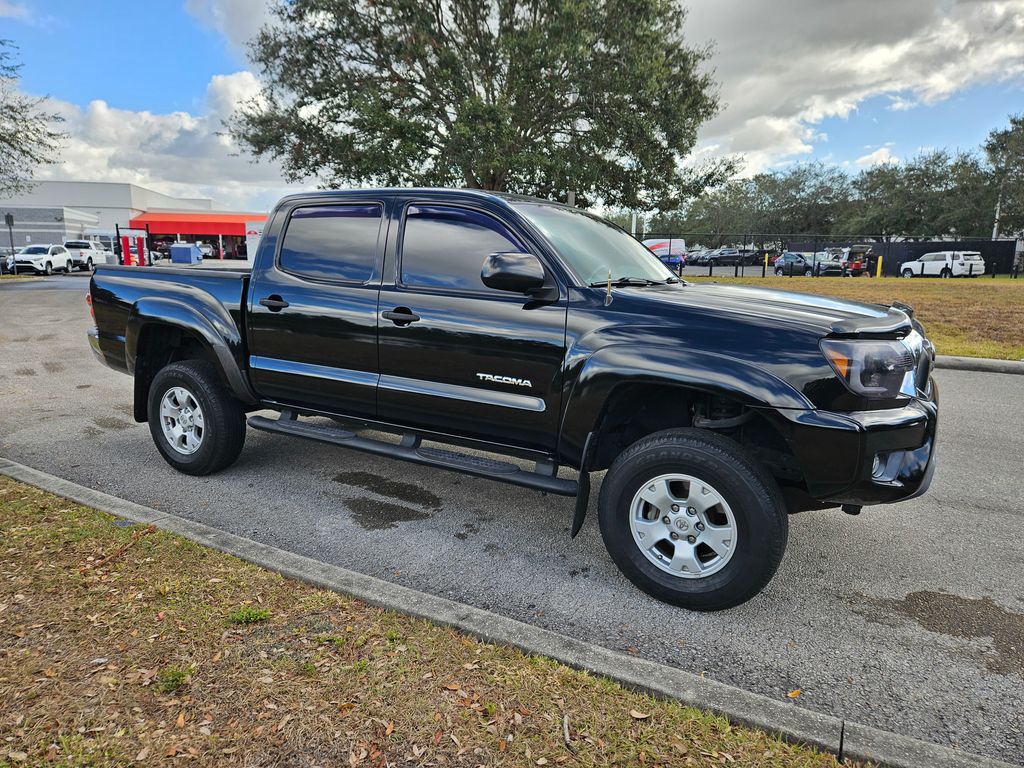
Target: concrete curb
{"x":793,"y":723}
{"x":981,"y":364}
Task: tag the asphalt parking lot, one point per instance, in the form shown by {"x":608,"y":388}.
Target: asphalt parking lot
{"x":909,"y":617}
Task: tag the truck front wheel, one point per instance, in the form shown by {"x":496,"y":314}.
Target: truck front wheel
{"x":691,"y":519}
{"x":198,"y":427}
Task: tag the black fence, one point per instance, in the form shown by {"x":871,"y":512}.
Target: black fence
{"x":1000,"y":256}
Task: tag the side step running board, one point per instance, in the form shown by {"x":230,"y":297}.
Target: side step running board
{"x":409,"y":449}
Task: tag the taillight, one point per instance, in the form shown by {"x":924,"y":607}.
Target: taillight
{"x":92,"y":312}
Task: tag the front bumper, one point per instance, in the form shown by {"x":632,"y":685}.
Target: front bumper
{"x":836,"y":451}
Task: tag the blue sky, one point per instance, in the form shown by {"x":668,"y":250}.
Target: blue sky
{"x":960,"y":122}
{"x":145,"y":85}
{"x":132,"y":67}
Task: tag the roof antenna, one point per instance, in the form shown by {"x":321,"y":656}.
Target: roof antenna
{"x":608,"y":295}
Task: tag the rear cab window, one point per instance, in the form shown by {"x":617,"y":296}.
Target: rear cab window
{"x":332,"y":242}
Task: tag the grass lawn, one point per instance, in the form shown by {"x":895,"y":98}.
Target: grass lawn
{"x":976,"y":318}
{"x":122,"y":644}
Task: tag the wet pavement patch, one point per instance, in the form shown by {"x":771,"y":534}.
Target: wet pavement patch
{"x":109,"y":422}
{"x":25,"y":372}
{"x":52,"y":366}
{"x":374,"y":515}
{"x":966,"y":618}
{"x":408,"y":492}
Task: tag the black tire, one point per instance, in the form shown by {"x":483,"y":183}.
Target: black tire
{"x":89,"y":266}
{"x":908,"y":273}
{"x":808,"y":273}
{"x":49,"y":269}
{"x":762,"y":526}
{"x":945,"y":273}
{"x":779,"y":272}
{"x":68,"y":267}
{"x":223,"y":417}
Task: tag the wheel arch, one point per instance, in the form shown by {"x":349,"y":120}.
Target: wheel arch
{"x":614,"y":378}
{"x":161,"y":330}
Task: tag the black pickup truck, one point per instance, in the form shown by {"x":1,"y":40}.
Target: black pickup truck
{"x":455,"y":319}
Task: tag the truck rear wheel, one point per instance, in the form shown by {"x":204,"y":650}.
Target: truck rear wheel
{"x":198,"y":427}
{"x":691,"y":519}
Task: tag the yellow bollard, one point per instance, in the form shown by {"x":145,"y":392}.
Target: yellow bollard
{"x":878,"y":269}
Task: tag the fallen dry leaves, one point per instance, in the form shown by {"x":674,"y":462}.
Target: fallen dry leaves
{"x":133,"y":661}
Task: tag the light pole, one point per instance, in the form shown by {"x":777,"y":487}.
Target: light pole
{"x":9,"y":221}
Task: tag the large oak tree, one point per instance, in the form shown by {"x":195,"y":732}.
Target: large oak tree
{"x":599,"y":97}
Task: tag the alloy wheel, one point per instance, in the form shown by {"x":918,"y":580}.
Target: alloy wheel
{"x":683,"y":525}
{"x":181,"y":419}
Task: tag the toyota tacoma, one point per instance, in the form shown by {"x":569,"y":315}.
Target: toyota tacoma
{"x":532,"y":343}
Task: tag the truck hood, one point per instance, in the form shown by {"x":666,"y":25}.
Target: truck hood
{"x":822,"y":313}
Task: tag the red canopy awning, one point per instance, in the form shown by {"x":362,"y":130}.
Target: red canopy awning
{"x":161,"y":223}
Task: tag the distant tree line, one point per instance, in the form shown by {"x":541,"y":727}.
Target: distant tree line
{"x":936,"y":193}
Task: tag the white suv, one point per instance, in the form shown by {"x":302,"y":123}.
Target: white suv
{"x":43,"y":259}
{"x":945,"y":264}
{"x":85,"y":254}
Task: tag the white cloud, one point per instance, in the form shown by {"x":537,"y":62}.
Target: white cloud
{"x":178,"y":153}
{"x":791,"y":64}
{"x":12,"y":10}
{"x":784,"y":67}
{"x":237,"y":20}
{"x":879,"y":156}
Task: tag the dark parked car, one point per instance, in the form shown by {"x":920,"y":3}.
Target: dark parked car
{"x":489,"y":321}
{"x":725,"y":257}
{"x":790,"y":263}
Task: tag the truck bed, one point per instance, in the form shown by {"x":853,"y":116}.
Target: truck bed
{"x":116,"y":290}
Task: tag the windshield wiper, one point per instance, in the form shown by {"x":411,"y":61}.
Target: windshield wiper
{"x":619,"y":281}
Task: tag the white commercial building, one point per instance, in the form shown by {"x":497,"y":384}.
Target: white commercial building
{"x":110,"y":202}
{"x":54,"y":211}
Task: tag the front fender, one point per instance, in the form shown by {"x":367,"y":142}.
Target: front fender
{"x":621,"y":364}
{"x":210,"y":322}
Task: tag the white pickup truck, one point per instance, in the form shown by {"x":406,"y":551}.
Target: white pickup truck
{"x":85,"y":254}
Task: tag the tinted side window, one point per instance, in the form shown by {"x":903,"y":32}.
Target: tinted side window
{"x":445,"y":247}
{"x":332,"y":242}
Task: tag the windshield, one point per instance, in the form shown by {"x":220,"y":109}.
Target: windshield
{"x":76,"y":244}
{"x":34,"y":249}
{"x":592,"y":247}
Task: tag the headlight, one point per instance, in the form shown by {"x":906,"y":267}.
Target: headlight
{"x":877,"y":369}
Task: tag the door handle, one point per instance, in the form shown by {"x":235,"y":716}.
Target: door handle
{"x":400,"y":316}
{"x":274,"y":303}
